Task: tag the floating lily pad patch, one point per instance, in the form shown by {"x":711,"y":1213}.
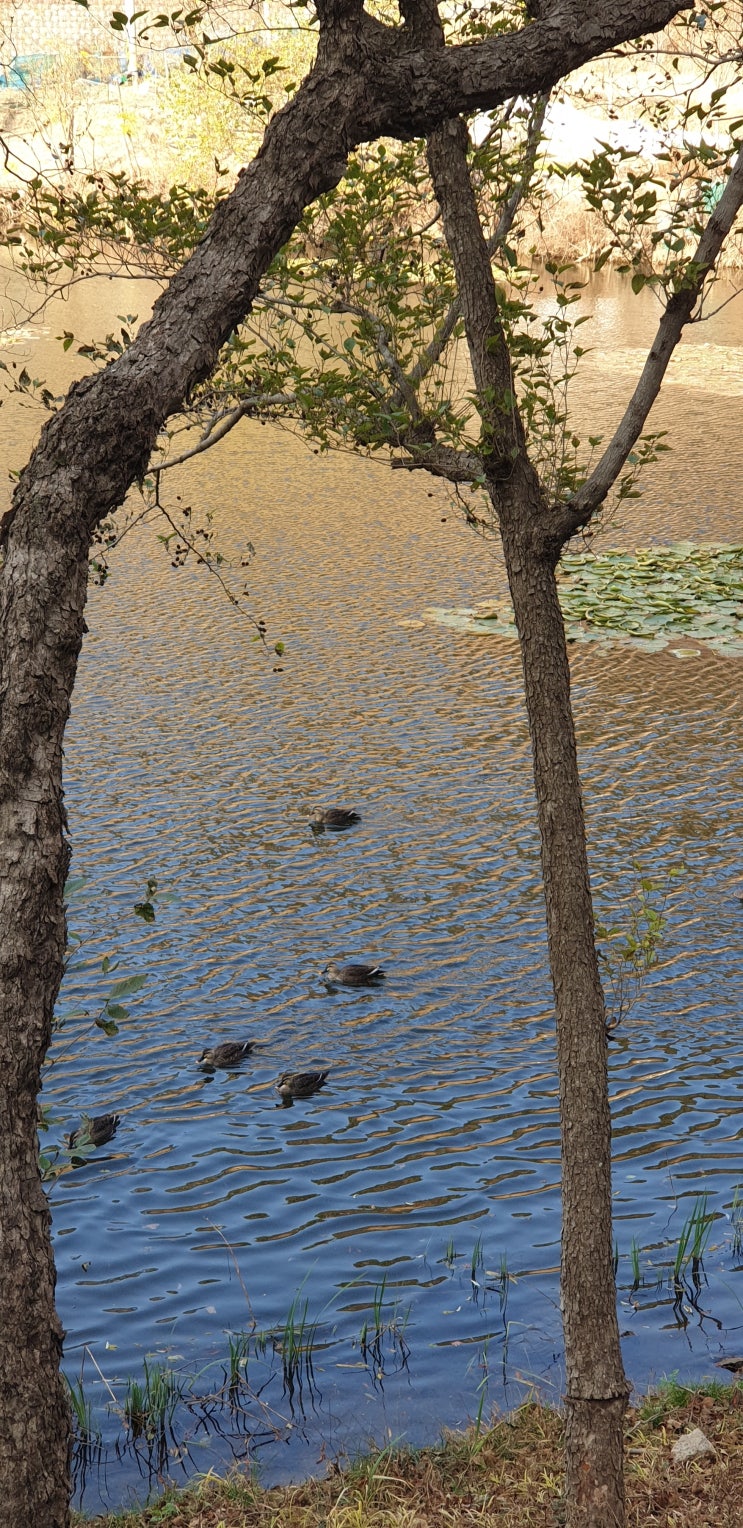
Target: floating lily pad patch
{"x":652,"y":598}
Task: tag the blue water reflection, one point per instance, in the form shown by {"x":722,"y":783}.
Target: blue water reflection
{"x":435,"y":1141}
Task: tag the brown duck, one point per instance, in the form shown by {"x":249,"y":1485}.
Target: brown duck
{"x":95,"y":1132}
{"x":225,"y":1056}
{"x":334,"y":817}
{"x":300,"y":1084}
{"x":355,"y":974}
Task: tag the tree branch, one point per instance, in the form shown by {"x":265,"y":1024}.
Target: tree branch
{"x":216,"y":432}
{"x":391,"y":89}
{"x":404,"y":393}
{"x":424,"y":85}
{"x":441,"y":461}
{"x":502,"y":229}
{"x":503,"y":432}
{"x":678,"y":313}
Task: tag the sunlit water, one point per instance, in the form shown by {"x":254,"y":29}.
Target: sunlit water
{"x":425,"y":1177}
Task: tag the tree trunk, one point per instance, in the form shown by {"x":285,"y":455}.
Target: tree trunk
{"x":370,"y":80}
{"x":596,"y":1391}
{"x":43,"y":593}
{"x":35,"y":1437}
{"x":596,"y":1394}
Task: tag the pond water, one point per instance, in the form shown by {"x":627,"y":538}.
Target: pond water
{"x":418,"y":1193}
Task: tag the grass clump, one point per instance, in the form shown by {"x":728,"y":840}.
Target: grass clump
{"x":149,"y":1404}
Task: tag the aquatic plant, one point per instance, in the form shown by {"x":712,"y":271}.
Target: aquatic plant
{"x":167,"y":1407}
{"x":87,"y":1434}
{"x":382,"y":1336}
{"x":634,"y":1253}
{"x":677,"y":1278}
{"x":628,"y":952}
{"x":693,"y":1238}
{"x":149,"y":1405}
{"x":647,"y":598}
{"x":238,"y":1352}
{"x":736,"y":1218}
{"x":477,"y":1260}
{"x":294,"y":1342}
{"x":482,"y":1388}
{"x":501,"y":1280}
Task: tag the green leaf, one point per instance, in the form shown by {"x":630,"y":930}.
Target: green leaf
{"x":638,"y":282}
{"x":117,"y":1011}
{"x":126,"y":985}
{"x":279,"y":649}
{"x":108,"y":1026}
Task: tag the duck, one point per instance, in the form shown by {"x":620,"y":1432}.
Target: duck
{"x":301,"y":1084}
{"x":227,"y":1055}
{"x":95,"y":1132}
{"x":354,"y":974}
{"x":335,"y":817}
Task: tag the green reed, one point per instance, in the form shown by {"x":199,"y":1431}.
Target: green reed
{"x":693,"y":1238}
{"x":149,"y":1404}
{"x":87,"y":1434}
{"x":238,"y":1353}
{"x":736,"y":1219}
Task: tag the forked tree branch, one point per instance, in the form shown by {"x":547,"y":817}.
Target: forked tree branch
{"x":217,"y":429}
{"x":441,"y":461}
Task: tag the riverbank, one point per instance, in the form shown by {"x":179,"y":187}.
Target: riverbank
{"x":72,"y":126}
{"x":509,"y":1475}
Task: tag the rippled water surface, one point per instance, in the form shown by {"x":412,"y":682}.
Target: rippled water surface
{"x":432,"y":1153}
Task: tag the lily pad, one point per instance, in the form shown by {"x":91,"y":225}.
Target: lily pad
{"x":649,"y":598}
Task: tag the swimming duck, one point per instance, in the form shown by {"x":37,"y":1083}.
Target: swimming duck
{"x":335,"y":817}
{"x":300,"y":1084}
{"x":355,"y":974}
{"x":226,"y":1056}
{"x":95,"y":1132}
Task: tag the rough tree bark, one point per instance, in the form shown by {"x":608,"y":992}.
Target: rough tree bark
{"x":596,"y":1389}
{"x":533,"y":533}
{"x":369,"y":79}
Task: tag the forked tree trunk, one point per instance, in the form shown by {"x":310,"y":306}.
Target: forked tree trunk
{"x":370,"y":80}
{"x":596,"y":1392}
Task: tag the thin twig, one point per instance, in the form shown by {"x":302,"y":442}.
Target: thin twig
{"x":207,"y":563}
{"x":97,"y":1366}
